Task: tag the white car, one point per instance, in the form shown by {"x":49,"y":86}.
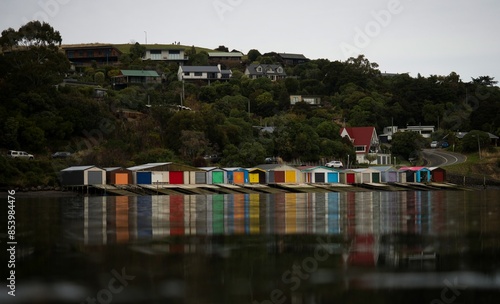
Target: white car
{"x":434,"y":144}
{"x":334,"y":164}
{"x":20,"y":154}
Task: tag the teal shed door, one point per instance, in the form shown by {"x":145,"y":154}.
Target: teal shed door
{"x":217,"y":177}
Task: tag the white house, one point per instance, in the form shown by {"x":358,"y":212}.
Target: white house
{"x":207,"y":73}
{"x":166,"y":54}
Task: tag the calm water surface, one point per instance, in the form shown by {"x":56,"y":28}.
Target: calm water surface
{"x":365,"y":247}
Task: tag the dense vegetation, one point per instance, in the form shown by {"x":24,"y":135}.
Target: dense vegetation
{"x":39,"y":115}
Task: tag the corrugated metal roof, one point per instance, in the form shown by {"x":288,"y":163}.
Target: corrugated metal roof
{"x":292,"y":56}
{"x":140,"y":73}
{"x":147,"y":166}
{"x":200,"y":68}
{"x":210,"y":168}
{"x":225,"y":54}
{"x":79,"y":168}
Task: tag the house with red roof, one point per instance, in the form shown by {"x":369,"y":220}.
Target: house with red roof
{"x":365,"y":141}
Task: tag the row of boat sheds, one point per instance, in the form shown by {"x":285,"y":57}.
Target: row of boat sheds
{"x":173,"y":178}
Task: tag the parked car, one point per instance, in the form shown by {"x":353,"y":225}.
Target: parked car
{"x":61,"y":155}
{"x":434,"y":144}
{"x":334,"y":164}
{"x":271,"y":160}
{"x":20,"y":154}
{"x":445,"y":144}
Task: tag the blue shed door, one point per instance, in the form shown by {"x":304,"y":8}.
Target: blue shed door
{"x":333,"y":177}
{"x":144,"y":178}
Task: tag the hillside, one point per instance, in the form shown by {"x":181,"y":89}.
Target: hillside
{"x":225,"y":119}
{"x":487,"y":167}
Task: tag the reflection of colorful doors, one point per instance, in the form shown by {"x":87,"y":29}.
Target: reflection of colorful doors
{"x":122,"y":234}
{"x":144,"y":217}
{"x":176,"y":215}
{"x":218,"y":214}
{"x":217,"y":177}
{"x":333,"y":212}
{"x":254,"y":213}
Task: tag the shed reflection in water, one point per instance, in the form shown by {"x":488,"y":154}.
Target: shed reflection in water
{"x":285,"y":248}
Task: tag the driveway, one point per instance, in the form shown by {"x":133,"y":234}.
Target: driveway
{"x":441,"y":158}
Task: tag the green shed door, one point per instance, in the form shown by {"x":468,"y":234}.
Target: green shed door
{"x":375,"y":177}
{"x":217,"y":177}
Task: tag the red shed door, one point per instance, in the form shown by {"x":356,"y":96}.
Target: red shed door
{"x":279,"y":176}
{"x":350,"y":178}
{"x":176,"y":177}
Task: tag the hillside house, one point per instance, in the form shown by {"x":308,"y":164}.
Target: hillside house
{"x":174,"y":55}
{"x":309,"y":99}
{"x":365,"y":141}
{"x":271,"y":71}
{"x":84,"y":55}
{"x":134,"y":77}
{"x":205,"y":73}
{"x":221,"y":57}
{"x":292,"y":59}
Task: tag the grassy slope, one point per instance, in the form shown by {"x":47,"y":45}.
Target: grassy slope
{"x":124,"y":48}
{"x":488,"y":165}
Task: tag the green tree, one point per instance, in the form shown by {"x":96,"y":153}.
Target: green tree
{"x":407,"y":144}
{"x":253,"y":54}
{"x":99,"y":78}
{"x":33,"y":60}
{"x":137,"y":51}
{"x":474,"y":140}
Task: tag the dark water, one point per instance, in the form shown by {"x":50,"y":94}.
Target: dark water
{"x":367,"y":247}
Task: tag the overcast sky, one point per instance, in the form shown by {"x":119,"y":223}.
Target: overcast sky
{"x":420,"y":36}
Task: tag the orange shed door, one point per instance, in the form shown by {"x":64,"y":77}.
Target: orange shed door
{"x":121,"y":179}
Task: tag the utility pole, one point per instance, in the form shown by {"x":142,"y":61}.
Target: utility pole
{"x":146,"y":37}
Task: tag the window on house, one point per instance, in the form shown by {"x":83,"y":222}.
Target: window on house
{"x":90,"y":53}
{"x":174,"y":55}
{"x":360,"y":148}
{"x":198,"y":74}
{"x":155,"y":54}
{"x":259,"y":69}
{"x":71,"y":54}
{"x":280,"y":70}
{"x":187,"y":73}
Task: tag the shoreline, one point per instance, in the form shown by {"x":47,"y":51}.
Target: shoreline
{"x":29,"y":193}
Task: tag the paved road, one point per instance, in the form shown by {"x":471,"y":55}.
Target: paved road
{"x":441,"y":158}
